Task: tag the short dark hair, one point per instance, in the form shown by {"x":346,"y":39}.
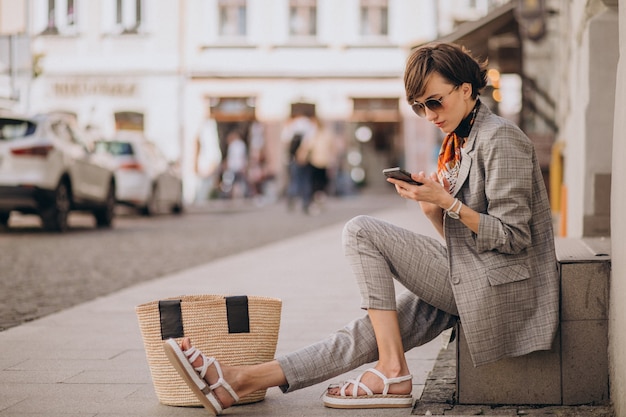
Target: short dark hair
{"x":453,"y":62}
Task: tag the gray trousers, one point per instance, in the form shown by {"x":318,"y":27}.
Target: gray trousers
{"x":378,"y":253}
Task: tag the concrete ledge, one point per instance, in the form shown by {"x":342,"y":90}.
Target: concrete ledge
{"x":569,"y":380}
{"x":439,"y":397}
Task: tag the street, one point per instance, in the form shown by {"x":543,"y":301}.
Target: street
{"x":44,"y":272}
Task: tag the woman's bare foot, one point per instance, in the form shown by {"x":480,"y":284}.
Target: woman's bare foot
{"x":229,"y":375}
{"x":243,"y":380}
{"x":376,"y":384}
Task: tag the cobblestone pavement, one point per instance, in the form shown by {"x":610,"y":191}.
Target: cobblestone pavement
{"x":42,"y":272}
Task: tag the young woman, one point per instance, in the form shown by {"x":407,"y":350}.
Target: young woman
{"x":496,"y":272}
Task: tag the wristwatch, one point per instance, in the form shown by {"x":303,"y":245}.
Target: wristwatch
{"x":455,"y":214}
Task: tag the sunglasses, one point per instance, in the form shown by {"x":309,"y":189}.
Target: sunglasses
{"x":433,"y":104}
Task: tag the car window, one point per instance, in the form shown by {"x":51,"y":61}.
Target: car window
{"x":115,"y":147}
{"x":15,"y":129}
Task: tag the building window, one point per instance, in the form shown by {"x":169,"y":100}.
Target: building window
{"x":232,"y":15}
{"x":233,"y":109}
{"x":61,"y":17}
{"x":376,"y":109}
{"x":129,"y":120}
{"x":128,"y":16}
{"x":302,"y":18}
{"x":374,"y":18}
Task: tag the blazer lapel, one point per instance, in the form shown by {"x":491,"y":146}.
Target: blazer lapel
{"x":466,"y":163}
{"x":468,"y":151}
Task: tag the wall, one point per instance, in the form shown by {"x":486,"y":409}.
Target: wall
{"x":591,"y":106}
{"x":588,"y":60}
{"x":15,"y":58}
{"x":98,"y":71}
{"x":603,"y":57}
{"x":617,"y":311}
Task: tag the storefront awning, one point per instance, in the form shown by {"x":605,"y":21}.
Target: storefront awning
{"x":495,"y":36}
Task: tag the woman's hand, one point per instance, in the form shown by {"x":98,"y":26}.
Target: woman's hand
{"x":431,"y":194}
{"x":434,"y":198}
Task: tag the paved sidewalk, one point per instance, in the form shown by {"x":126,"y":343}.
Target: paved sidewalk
{"x":89,"y":360}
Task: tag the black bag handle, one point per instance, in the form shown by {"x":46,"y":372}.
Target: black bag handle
{"x":171,"y":319}
{"x":237,"y":314}
{"x":171,"y":316}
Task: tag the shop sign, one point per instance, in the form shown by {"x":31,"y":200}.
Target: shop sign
{"x":94,"y":87}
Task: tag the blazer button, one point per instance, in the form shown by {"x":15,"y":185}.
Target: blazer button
{"x":456,"y":280}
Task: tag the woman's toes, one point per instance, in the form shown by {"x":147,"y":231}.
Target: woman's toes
{"x":185,"y":344}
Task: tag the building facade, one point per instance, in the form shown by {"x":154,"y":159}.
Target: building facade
{"x":257,"y":60}
{"x":164,"y":67}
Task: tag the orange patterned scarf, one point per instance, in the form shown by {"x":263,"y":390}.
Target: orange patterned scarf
{"x":449,"y":160}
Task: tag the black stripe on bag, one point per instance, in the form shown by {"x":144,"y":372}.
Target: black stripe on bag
{"x":171,"y":319}
{"x":237,"y":314}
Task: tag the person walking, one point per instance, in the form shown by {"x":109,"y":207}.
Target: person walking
{"x":257,"y":161}
{"x":234,"y":178}
{"x":208,"y":159}
{"x":496,"y":272}
{"x":318,"y":154}
{"x":296,"y":134}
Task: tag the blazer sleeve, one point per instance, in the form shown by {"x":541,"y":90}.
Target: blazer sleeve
{"x":507,"y":161}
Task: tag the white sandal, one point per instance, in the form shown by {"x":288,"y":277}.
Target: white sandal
{"x":370,"y":400}
{"x":194,"y":377}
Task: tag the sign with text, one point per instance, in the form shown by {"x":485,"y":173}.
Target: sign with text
{"x":94,"y":87}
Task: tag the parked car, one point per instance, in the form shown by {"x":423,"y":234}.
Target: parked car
{"x":145,"y":179}
{"x":47,"y":169}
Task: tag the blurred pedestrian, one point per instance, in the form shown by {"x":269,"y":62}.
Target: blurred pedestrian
{"x":256,"y":160}
{"x":234,"y":178}
{"x":297,"y":131}
{"x":318,"y":153}
{"x":208,"y":159}
{"x":496,"y":273}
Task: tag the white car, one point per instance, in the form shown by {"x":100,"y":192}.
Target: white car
{"x":47,"y":169}
{"x":144,"y":177}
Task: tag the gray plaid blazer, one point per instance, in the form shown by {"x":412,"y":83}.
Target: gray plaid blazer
{"x":504,"y":278}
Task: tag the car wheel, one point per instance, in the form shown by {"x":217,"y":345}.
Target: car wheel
{"x":177,"y":208}
{"x":104,"y":215}
{"x":4,"y":218}
{"x":54,"y":217}
{"x":151,"y":208}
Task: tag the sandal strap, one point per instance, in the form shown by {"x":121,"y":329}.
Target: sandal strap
{"x":356,"y":383}
{"x":221,"y":382}
{"x":192,"y":354}
{"x":388,"y":381}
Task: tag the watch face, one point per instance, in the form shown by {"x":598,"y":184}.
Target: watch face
{"x":453,"y":215}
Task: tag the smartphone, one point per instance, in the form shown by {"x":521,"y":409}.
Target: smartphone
{"x":400,"y":174}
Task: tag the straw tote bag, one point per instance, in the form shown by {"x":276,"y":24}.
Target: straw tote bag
{"x":239,"y":330}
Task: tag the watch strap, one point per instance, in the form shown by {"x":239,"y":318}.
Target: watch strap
{"x":455,"y":213}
